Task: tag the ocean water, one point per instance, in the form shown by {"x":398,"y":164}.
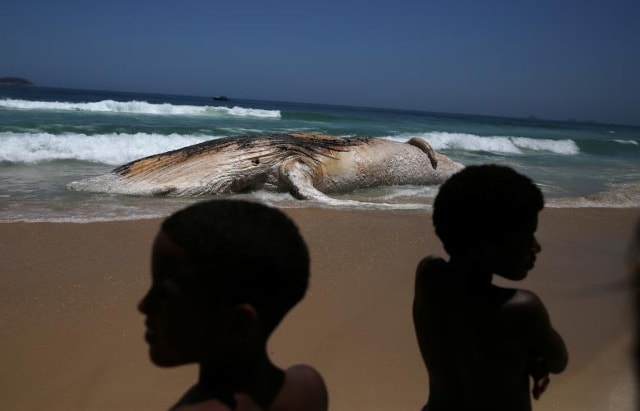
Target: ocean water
{"x":51,"y":137}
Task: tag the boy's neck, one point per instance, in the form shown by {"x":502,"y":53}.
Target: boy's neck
{"x":471,"y":272}
{"x":256,"y":376}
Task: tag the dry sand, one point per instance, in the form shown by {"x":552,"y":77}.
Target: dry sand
{"x":71,"y":336}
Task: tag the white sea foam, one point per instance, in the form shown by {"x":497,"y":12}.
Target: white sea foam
{"x":494,"y":144}
{"x":113,"y":149}
{"x":139,"y":107}
{"x":630,"y":142}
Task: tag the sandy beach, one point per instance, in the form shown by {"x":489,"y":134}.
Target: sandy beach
{"x":72,"y":337}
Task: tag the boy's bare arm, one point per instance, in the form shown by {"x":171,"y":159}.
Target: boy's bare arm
{"x":544,"y":340}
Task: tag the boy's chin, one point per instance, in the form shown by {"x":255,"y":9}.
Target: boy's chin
{"x":161,"y":359}
{"x":514,"y":275}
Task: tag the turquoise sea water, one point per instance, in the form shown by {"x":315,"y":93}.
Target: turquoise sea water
{"x":51,"y":137}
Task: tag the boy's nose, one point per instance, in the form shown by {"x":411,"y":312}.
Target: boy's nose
{"x":143,"y":304}
{"x":535,"y":246}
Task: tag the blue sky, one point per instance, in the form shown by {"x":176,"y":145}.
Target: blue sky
{"x":554,"y":59}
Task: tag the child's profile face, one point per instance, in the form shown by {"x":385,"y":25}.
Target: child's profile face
{"x":181,"y":327}
{"x":515,"y":255}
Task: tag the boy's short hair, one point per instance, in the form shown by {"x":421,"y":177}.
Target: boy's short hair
{"x":244,"y":252}
{"x":484,"y":203}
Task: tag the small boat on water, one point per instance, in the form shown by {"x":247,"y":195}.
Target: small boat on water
{"x":221,"y":98}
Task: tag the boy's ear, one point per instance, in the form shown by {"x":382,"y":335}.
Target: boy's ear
{"x":244,"y":322}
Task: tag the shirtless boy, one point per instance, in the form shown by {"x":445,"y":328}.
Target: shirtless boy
{"x":224,"y":274}
{"x":482,"y":344}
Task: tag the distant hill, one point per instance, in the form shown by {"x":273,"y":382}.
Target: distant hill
{"x":15,"y":81}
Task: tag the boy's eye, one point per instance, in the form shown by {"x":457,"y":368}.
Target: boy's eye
{"x":156,"y":292}
{"x":160,"y":293}
{"x":166,"y":290}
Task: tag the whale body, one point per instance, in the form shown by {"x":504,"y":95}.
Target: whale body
{"x":308,"y":166}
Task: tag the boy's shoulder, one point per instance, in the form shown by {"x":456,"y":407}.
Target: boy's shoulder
{"x":243,"y":403}
{"x":430,"y":268}
{"x":303,"y":389}
{"x":525,"y":307}
{"x":434,"y":273}
{"x":432,"y":262}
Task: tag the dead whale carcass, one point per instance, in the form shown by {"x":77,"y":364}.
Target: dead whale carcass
{"x":306,"y":165}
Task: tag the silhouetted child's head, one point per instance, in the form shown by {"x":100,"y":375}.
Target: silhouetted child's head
{"x":224,"y":273}
{"x":490,"y":208}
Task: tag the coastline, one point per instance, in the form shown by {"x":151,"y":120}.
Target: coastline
{"x":72,"y":336}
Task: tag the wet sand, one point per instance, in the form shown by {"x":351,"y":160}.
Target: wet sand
{"x":72,"y":337}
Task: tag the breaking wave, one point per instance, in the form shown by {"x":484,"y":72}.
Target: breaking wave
{"x":494,"y":144}
{"x":112,"y":149}
{"x":139,"y":107}
{"x":119,"y":148}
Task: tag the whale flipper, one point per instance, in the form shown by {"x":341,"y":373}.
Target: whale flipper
{"x":428,"y":150}
{"x":297,"y":176}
